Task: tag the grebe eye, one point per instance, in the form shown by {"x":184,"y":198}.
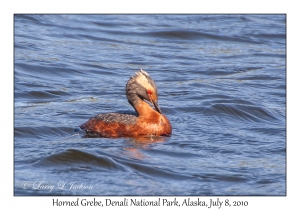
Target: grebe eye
{"x":149,"y":92}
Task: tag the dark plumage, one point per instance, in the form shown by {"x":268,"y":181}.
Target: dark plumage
{"x":117,"y":117}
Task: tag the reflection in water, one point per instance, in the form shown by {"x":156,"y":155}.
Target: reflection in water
{"x":139,"y":143}
{"x":134,"y":145}
{"x":146,"y":140}
{"x":134,"y":153}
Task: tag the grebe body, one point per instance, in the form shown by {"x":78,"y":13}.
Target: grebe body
{"x":147,"y":121}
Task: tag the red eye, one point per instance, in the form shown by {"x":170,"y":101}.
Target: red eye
{"x":149,"y":92}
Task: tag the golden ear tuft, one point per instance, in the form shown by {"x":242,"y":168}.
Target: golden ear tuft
{"x":144,"y":72}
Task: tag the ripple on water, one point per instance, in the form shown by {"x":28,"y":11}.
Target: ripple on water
{"x":197,"y":35}
{"x":73,"y":157}
{"x":245,"y":113}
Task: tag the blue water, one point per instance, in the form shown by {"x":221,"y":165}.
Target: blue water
{"x":221,"y":82}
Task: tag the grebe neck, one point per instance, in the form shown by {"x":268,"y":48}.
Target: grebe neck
{"x":141,"y":107}
{"x":144,"y":110}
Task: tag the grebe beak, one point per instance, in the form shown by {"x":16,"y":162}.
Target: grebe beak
{"x":155,"y":105}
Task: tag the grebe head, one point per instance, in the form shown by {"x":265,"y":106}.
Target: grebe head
{"x":141,"y":86}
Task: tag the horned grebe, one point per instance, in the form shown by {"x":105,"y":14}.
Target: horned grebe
{"x":148,"y":121}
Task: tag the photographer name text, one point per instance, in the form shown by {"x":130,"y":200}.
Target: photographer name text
{"x":61,"y":185}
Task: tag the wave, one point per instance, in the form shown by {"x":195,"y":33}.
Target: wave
{"x":244,"y":112}
{"x":105,"y":161}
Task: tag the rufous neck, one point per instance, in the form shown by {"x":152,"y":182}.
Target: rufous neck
{"x":144,"y":109}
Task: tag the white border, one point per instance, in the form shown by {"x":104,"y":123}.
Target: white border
{"x":154,"y":6}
